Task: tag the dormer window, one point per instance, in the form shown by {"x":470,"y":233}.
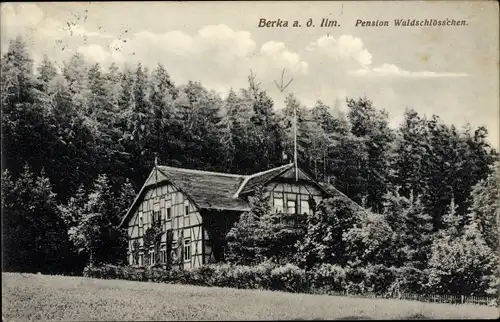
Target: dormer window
{"x":291,"y":207}
{"x":304,"y":207}
{"x":186,"y":207}
{"x":278,"y":205}
{"x":168,"y":210}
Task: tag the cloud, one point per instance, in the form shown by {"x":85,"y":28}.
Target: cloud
{"x":391,"y":70}
{"x":29,"y":18}
{"x":94,"y":52}
{"x":328,"y":68}
{"x":281,"y":57}
{"x":238,"y":43}
{"x":345,"y":47}
{"x":22,"y":14}
{"x":216,"y":55}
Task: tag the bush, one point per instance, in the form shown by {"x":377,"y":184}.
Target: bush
{"x":263,"y":276}
{"x":288,"y":278}
{"x":105,"y":271}
{"x":378,"y":278}
{"x":408,"y":280}
{"x":323,"y":279}
{"x":327,"y":278}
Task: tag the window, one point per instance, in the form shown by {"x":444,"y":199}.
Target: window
{"x":169,"y":213}
{"x":156,"y":216}
{"x":304,"y":207}
{"x":141,"y":259}
{"x":278,"y":205}
{"x":187,"y":249}
{"x":152,"y":255}
{"x":141,"y":223}
{"x":186,"y":207}
{"x":291,"y":207}
{"x":163,"y":256}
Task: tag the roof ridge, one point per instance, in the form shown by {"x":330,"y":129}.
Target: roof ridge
{"x":225,"y":174}
{"x":269,"y":170}
{"x":248,"y":177}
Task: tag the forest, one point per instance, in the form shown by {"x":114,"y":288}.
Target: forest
{"x":78,"y":143}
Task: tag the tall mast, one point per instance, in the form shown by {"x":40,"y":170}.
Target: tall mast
{"x":156,"y":175}
{"x":281,"y":86}
{"x":295,"y":142}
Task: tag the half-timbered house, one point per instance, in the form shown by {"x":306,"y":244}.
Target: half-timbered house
{"x":193,"y":210}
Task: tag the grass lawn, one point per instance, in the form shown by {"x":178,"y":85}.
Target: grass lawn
{"x":41,"y":297}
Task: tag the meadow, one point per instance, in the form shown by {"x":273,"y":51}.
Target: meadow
{"x":43,"y":297}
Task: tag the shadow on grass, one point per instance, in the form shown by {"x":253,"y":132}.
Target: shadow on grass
{"x":342,"y":318}
{"x":353,"y":317}
{"x":417,"y":316}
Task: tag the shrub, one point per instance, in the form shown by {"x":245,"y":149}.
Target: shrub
{"x":288,"y":278}
{"x":327,"y":278}
{"x":105,"y":271}
{"x":408,"y":280}
{"x":378,"y":278}
{"x":205,"y":275}
{"x":262,"y":273}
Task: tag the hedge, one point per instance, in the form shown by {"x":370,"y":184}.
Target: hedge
{"x":323,"y":279}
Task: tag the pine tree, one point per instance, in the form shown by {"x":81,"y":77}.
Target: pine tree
{"x":46,"y":74}
{"x":262,"y":235}
{"x":418,"y":235}
{"x":17,"y":75}
{"x":463,"y":265}
{"x":34,"y":235}
{"x":371,"y":125}
{"x":265,"y":135}
{"x":411,"y":152}
{"x":323,"y":242}
{"x":371,"y":242}
{"x":485,"y":207}
{"x":99,"y":108}
{"x":96,"y":233}
{"x":237,"y":117}
{"x":76,"y":73}
{"x":452,"y":222}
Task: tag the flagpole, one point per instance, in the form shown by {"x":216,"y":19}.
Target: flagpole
{"x":156,"y":175}
{"x":281,"y":86}
{"x":295,"y":142}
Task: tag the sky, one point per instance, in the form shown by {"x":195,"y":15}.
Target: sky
{"x":450,"y":71}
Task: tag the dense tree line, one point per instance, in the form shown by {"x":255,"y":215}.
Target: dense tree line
{"x":79,"y":141}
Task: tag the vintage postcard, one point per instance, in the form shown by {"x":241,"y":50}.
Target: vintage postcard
{"x":254,"y":160}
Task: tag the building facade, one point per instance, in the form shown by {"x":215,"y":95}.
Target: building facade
{"x":181,"y":216}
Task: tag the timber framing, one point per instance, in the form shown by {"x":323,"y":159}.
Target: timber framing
{"x":197,"y":209}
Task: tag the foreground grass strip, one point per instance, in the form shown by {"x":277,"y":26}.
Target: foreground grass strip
{"x":40,"y":297}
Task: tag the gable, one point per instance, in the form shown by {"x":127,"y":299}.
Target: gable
{"x":207,"y":190}
{"x":259,"y":179}
{"x":286,"y":174}
{"x":290,"y":174}
{"x":224,"y":191}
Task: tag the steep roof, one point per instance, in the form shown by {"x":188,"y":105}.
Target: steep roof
{"x":260,"y":178}
{"x":207,"y":189}
{"x":216,"y":190}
